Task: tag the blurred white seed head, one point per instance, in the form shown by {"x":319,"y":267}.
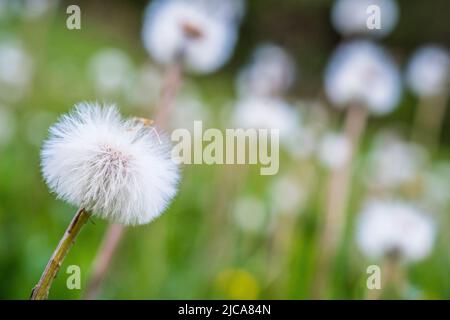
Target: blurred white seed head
{"x":250,"y":214}
{"x":3,"y":8}
{"x":266,"y":113}
{"x":428,"y":72}
{"x":394,"y":162}
{"x":188,"y":30}
{"x":111,"y":71}
{"x":27,"y":9}
{"x":16,"y":69}
{"x":349,"y":17}
{"x":287,"y":195}
{"x":271,"y":72}
{"x":146,"y":87}
{"x":190,"y":107}
{"x":35,"y":9}
{"x":362,"y":72}
{"x":301,"y":142}
{"x":334,"y":150}
{"x":436,"y":195}
{"x":389,"y":227}
{"x":253,"y":112}
{"x":118,"y":170}
{"x":313,"y":122}
{"x":231,"y":10}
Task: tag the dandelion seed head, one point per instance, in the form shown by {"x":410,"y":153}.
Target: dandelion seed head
{"x":266,"y":113}
{"x":288,"y":195}
{"x":387,"y":227}
{"x":188,"y":30}
{"x":394,"y":162}
{"x":334,"y":150}
{"x":16,"y":69}
{"x":250,"y":214}
{"x":111,"y":71}
{"x":35,"y":9}
{"x":362,"y":72}
{"x":145,"y":88}
{"x":274,"y":114}
{"x":117,"y":169}
{"x":271,"y":72}
{"x":190,"y":108}
{"x":428,"y":72}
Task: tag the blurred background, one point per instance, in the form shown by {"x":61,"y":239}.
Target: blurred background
{"x":230,"y":232}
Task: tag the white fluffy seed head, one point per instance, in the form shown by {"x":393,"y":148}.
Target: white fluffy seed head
{"x":428,"y":72}
{"x":232,"y":11}
{"x":271,"y":72}
{"x":362,"y":72}
{"x":389,"y":227}
{"x":334,"y":150}
{"x":394,"y":162}
{"x":118,"y":170}
{"x":188,"y":30}
{"x":111,"y":71}
{"x":16,"y":69}
{"x":288,"y":196}
{"x":250,"y":214}
{"x":266,"y":113}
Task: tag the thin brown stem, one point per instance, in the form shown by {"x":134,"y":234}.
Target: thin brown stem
{"x":103,"y":259}
{"x":171,"y":85}
{"x":41,"y":290}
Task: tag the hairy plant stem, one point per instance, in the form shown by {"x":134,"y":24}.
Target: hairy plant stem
{"x":337,"y":199}
{"x":41,"y":290}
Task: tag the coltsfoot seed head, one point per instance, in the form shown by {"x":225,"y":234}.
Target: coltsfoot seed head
{"x":120,"y":170}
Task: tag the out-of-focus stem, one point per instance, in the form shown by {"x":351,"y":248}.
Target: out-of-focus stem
{"x":171,"y":85}
{"x":429,"y":119}
{"x":41,"y":290}
{"x":103,"y":259}
{"x":337,"y":199}
{"x":115,"y":232}
{"x":230,"y":181}
{"x":280,"y":242}
{"x":391,"y":278}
